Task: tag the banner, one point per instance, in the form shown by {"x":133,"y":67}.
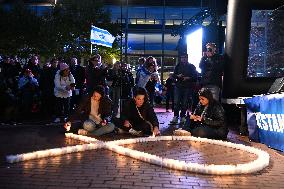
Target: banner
{"x":268,"y":118}
{"x":101,"y":37}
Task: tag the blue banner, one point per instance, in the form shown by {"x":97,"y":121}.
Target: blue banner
{"x":269,"y":118}
{"x":101,"y":37}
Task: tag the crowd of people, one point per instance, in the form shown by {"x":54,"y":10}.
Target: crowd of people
{"x":106,"y":98}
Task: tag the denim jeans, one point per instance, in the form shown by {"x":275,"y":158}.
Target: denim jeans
{"x":97,"y":130}
{"x":181,"y":100}
{"x":115,"y":96}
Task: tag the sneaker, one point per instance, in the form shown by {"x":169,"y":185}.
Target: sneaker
{"x":57,"y":120}
{"x":181,"y":132}
{"x":82,"y":132}
{"x":120,"y":131}
{"x":175,"y":119}
{"x":134,"y":132}
{"x":183,"y":120}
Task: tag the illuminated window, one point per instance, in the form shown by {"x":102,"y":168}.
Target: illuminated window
{"x":194,"y":47}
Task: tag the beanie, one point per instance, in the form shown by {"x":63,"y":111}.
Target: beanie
{"x":63,"y":66}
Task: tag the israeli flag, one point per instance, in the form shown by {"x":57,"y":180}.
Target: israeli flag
{"x":101,"y":37}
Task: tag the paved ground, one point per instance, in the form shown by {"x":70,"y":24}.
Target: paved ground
{"x":106,"y":169}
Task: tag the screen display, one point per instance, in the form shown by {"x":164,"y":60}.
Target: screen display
{"x":266,"y":48}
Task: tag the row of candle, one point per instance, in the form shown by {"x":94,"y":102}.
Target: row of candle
{"x":261,"y":162}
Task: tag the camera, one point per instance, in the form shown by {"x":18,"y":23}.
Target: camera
{"x":209,"y":50}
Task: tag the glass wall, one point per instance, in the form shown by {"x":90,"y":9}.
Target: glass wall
{"x":266,"y":48}
{"x":146,"y":41}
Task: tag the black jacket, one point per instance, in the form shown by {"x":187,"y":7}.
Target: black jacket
{"x":187,"y":70}
{"x":82,"y":112}
{"x":212,"y":70}
{"x":213,"y":116}
{"x":131,"y":114}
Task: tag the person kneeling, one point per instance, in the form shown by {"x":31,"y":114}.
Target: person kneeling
{"x":138,"y":116}
{"x":96,"y":111}
{"x":208,"y":119}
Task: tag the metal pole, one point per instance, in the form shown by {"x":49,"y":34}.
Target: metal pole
{"x":163,"y":43}
{"x":121,"y":31}
{"x":126,"y":32}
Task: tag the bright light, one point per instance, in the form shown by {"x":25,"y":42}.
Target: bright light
{"x":113,"y":60}
{"x":194,"y":48}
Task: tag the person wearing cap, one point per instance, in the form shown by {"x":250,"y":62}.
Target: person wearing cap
{"x":208,"y":119}
{"x":64,"y":85}
{"x":212,"y":67}
{"x":95,"y":111}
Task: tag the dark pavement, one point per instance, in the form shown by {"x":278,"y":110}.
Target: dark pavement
{"x":105,"y":169}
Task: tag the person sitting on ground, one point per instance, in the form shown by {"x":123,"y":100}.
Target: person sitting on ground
{"x":96,"y":111}
{"x":208,"y":119}
{"x":138,"y":116}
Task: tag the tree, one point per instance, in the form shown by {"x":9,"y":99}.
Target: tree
{"x":19,"y":30}
{"x":63,"y":30}
{"x":69,"y":26}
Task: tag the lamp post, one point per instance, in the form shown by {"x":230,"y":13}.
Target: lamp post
{"x":126,"y":32}
{"x":121,"y":31}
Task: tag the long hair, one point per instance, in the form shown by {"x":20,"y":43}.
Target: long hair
{"x":205,"y":92}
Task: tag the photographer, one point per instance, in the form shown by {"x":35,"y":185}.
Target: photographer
{"x":185,"y":75}
{"x":212,"y":66}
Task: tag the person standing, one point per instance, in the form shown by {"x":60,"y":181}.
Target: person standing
{"x":96,"y":74}
{"x":170,"y":85}
{"x":79,"y":74}
{"x":64,"y":85}
{"x":185,"y":74}
{"x":212,"y":67}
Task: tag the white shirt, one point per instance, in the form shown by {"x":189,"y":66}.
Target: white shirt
{"x":60,"y":85}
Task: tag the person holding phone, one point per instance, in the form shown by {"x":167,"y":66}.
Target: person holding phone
{"x":208,"y":119}
{"x":95,"y":112}
{"x":64,"y":85}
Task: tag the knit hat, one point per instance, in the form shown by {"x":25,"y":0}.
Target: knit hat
{"x":63,"y":66}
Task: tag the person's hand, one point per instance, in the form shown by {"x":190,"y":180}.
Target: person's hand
{"x":104,"y":123}
{"x":126,"y":123}
{"x":68,"y":87}
{"x":197,"y":118}
{"x":156,"y":131}
{"x":67,"y":126}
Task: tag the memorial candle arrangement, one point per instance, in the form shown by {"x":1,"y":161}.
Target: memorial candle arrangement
{"x":260,"y":163}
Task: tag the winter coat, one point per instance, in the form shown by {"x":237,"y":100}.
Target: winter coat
{"x":131,"y":114}
{"x":83,"y":110}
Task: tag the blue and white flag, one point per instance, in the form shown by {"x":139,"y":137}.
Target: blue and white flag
{"x":101,"y":37}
